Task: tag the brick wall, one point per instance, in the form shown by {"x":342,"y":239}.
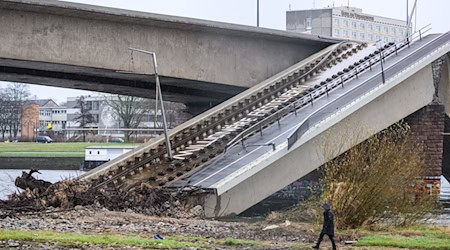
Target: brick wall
{"x":427,"y":127}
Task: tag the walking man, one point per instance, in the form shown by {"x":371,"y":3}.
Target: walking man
{"x":328,"y":226}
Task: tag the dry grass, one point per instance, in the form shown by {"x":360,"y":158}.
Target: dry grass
{"x":375,"y":180}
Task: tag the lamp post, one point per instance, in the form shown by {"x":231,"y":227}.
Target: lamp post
{"x":257,"y":13}
{"x":382,"y":67}
{"x":158,"y":94}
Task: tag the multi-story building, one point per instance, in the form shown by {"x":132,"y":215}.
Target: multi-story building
{"x":346,"y":23}
{"x":29,"y":121}
{"x":95,"y":106}
{"x":103,"y":114}
{"x":51,"y":113}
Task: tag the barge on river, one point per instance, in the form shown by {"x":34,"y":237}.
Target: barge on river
{"x":97,"y":155}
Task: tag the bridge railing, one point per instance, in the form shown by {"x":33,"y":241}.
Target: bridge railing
{"x":325,"y":88}
{"x":279,"y":114}
{"x":355,"y":92}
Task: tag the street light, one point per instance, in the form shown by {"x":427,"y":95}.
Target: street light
{"x":257,"y":13}
{"x":382,"y":67}
{"x":158,"y":94}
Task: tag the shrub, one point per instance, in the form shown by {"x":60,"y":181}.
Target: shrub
{"x":375,"y":180}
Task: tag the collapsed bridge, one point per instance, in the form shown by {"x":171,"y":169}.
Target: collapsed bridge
{"x":263,"y":139}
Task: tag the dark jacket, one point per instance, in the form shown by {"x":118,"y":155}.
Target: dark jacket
{"x":328,"y":224}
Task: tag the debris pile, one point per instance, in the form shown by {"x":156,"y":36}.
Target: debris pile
{"x":39,"y":195}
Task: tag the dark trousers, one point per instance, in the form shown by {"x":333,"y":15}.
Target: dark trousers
{"x":329,"y":236}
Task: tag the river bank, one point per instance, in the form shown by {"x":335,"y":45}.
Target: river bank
{"x":50,"y":156}
{"x":47,"y":163}
{"x":94,"y":227}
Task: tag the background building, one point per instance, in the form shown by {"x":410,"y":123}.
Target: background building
{"x":346,"y":23}
{"x":95,"y":106}
{"x":51,"y":112}
{"x":29,"y":121}
{"x":106,"y":123}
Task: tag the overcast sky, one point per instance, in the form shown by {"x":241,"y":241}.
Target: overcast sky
{"x":272,"y":15}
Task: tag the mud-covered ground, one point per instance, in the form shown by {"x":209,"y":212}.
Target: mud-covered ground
{"x":87,"y":220}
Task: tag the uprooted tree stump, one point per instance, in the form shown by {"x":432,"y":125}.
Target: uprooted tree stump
{"x":28,"y":181}
{"x":39,"y":195}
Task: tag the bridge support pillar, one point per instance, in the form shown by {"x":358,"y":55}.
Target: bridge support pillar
{"x":427,"y":128}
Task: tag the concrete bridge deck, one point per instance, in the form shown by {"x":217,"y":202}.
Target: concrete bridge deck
{"x":81,"y":46}
{"x":334,"y":91}
{"x":242,"y":176}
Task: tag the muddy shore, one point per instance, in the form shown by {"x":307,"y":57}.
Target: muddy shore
{"x":101,"y":221}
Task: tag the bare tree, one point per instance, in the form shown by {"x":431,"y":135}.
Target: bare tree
{"x":130,"y":110}
{"x":4,"y":107}
{"x":84,"y":116}
{"x":175,"y":114}
{"x":13,"y":98}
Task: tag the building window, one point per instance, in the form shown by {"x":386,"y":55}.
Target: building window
{"x":354,"y":34}
{"x":393,"y":40}
{"x":354,"y":25}
{"x":362,"y":36}
{"x":336,"y":32}
{"x":369,"y":26}
{"x":95,"y":105}
{"x":308,"y":23}
{"x":336,"y":21}
{"x":394,"y":31}
{"x":370,"y":37}
{"x":345,"y":32}
{"x":386,"y":39}
{"x":362,"y":26}
{"x":378,"y":38}
{"x":378,"y":28}
{"x":346,"y":23}
{"x":89,"y":105}
{"x":386,"y":30}
{"x":401,"y":32}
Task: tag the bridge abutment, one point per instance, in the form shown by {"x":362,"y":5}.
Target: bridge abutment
{"x":427,"y":128}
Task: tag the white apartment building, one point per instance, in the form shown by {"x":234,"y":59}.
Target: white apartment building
{"x":95,"y":105}
{"x":102,"y":114}
{"x":346,"y":23}
{"x":51,"y":112}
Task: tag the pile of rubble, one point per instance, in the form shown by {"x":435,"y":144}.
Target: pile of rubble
{"x":39,"y":195}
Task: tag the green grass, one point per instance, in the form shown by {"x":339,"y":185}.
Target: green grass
{"x":75,"y":239}
{"x":418,"y":237}
{"x":31,"y":149}
{"x":417,"y":242}
{"x":237,"y":242}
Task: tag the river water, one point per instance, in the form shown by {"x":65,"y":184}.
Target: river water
{"x":8,"y":176}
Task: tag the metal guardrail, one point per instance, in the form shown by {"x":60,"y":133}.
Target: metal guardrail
{"x":279,"y":114}
{"x":330,"y":107}
{"x":321,"y":90}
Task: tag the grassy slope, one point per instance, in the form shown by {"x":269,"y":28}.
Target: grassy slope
{"x":30,"y":149}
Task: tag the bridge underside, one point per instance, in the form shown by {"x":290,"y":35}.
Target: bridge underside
{"x":190,"y":92}
{"x":80,"y":46}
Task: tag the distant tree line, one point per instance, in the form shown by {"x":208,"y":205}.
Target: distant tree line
{"x":12,"y":99}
